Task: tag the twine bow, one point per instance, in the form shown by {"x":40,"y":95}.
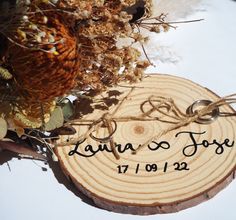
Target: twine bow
{"x":167,"y":110}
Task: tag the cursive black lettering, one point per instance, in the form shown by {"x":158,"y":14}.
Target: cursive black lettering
{"x":191,"y":149}
{"x":91,"y":150}
{"x":220,"y":149}
{"x":128,"y":146}
{"x":75,"y":150}
{"x":88,"y":150}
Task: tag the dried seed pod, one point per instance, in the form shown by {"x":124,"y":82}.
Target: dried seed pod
{"x":5,"y":74}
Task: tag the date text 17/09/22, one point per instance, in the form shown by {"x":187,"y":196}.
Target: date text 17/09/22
{"x":189,"y":150}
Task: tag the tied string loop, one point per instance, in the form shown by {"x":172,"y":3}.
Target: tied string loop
{"x":164,"y":109}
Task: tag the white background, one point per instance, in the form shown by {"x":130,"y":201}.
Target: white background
{"x":207,"y":56}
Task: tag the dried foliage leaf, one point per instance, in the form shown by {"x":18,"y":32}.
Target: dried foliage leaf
{"x":56,"y":120}
{"x":67,"y":109}
{"x":3,"y":128}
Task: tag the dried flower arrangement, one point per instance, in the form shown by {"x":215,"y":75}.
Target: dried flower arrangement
{"x":50,"y":49}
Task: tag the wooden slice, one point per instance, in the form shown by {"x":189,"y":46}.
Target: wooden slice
{"x":165,"y":177}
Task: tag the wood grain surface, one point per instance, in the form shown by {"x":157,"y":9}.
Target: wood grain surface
{"x":143,"y":189}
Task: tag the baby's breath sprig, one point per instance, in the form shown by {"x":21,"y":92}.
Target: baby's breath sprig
{"x":159,"y":23}
{"x":26,"y":25}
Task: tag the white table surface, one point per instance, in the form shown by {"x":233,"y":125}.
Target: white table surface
{"x":207,"y":56}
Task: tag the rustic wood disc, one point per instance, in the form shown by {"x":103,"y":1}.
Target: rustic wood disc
{"x":150,"y":182}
